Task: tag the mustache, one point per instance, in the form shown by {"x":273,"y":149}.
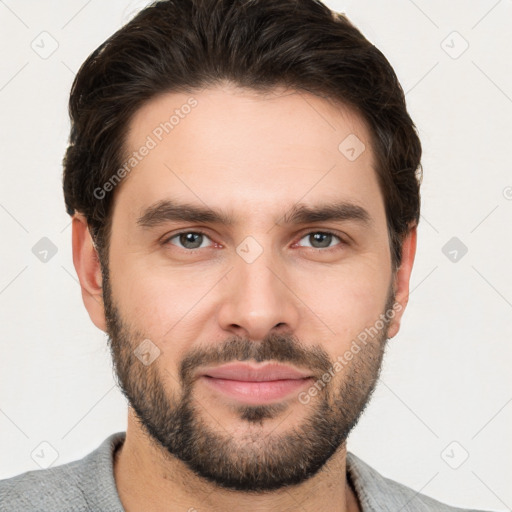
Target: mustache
{"x":283,"y":348}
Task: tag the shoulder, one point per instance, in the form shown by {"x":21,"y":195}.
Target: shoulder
{"x":378,"y":493}
{"x":77,"y":486}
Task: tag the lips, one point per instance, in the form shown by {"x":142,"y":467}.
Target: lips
{"x":255,"y":373}
{"x":255,"y":384}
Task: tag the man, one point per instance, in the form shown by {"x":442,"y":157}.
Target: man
{"x":243,"y":178}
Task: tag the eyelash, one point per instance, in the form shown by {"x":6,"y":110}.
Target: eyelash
{"x":167,"y":240}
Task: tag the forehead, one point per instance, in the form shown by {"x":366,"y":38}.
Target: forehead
{"x":245,"y":150}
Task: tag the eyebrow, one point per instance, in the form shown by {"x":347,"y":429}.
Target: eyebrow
{"x":170,"y":210}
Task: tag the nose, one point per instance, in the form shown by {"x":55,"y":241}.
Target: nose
{"x":257,"y":299}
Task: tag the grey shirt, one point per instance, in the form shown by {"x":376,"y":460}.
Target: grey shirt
{"x":88,"y":484}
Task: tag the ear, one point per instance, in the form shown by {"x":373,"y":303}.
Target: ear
{"x":88,"y":269}
{"x":401,"y":281}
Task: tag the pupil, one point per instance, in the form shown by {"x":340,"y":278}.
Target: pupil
{"x":323,"y":238}
{"x":191,"y":238}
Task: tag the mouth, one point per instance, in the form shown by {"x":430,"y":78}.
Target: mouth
{"x":255,"y":384}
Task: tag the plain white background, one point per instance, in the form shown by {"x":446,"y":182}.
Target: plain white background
{"x":441,"y":417}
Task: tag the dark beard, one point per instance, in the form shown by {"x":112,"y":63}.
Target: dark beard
{"x":256,"y":463}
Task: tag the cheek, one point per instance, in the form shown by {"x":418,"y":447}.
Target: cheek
{"x":347,"y":299}
{"x":164,"y":303}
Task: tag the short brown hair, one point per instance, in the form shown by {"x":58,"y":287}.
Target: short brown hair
{"x":186,"y":45}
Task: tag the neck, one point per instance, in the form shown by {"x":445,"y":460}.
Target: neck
{"x":148,"y":480}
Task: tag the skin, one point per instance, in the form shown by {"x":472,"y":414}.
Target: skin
{"x":254,"y":157}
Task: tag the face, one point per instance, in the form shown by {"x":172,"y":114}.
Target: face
{"x":246,"y":235}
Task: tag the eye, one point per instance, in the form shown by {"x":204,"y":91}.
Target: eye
{"x":320,"y":239}
{"x":189,"y":240}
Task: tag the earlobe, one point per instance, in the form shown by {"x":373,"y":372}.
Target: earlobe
{"x":402,"y":279}
{"x":88,"y":269}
